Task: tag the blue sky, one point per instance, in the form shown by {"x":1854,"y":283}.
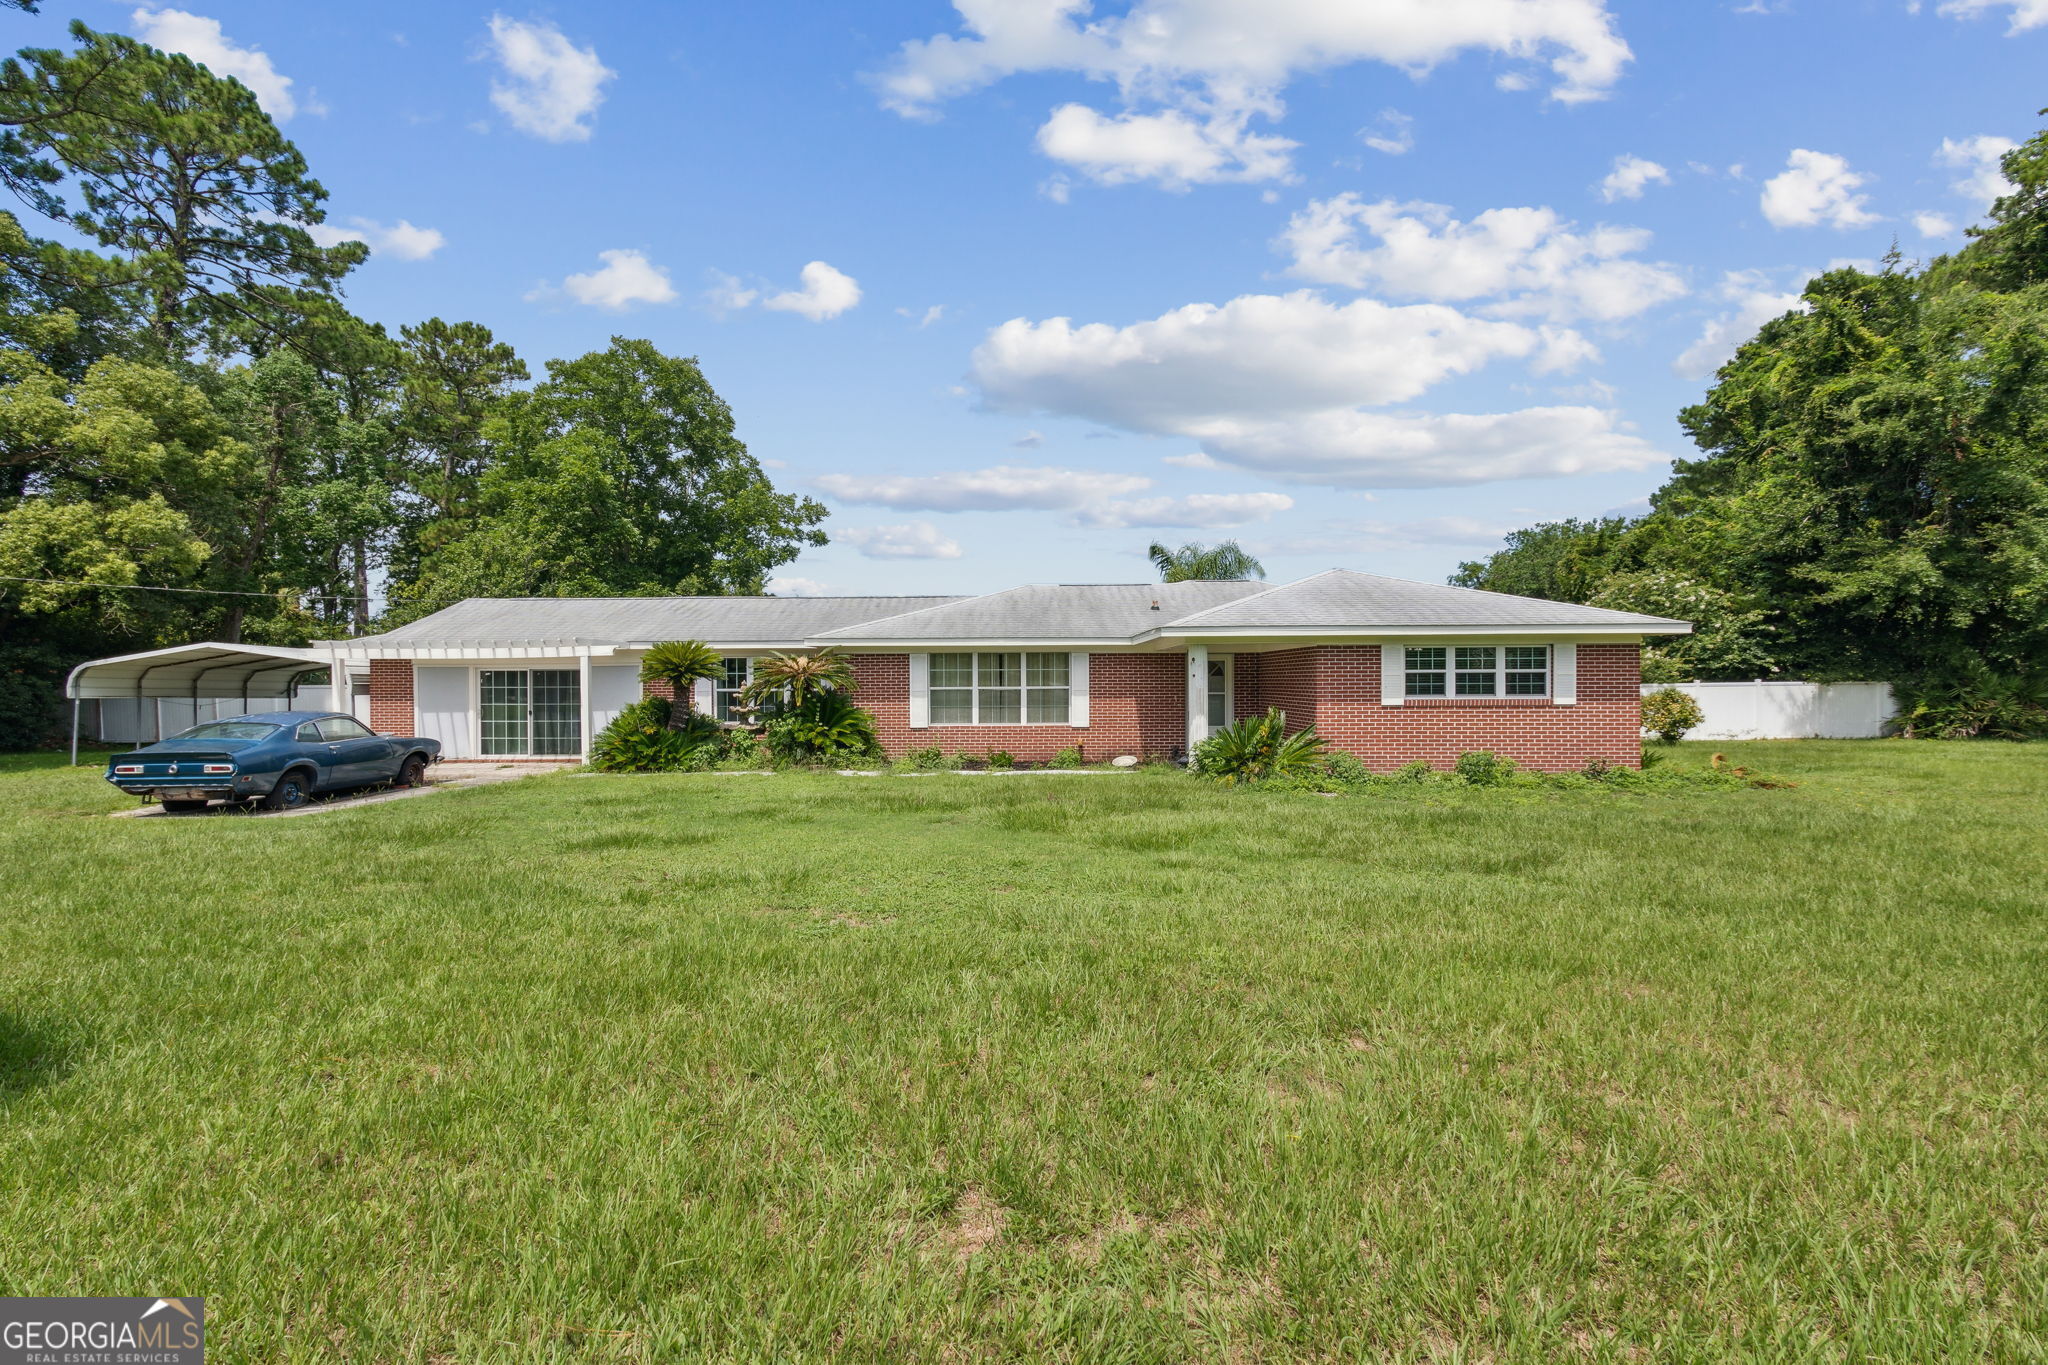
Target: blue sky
{"x":1019,"y":286}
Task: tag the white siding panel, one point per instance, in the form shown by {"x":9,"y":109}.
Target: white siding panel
{"x":445,"y":704}
{"x":920,"y":691}
{"x":1077,"y":683}
{"x":1564,"y":674}
{"x":704,"y":697}
{"x":613,"y":687}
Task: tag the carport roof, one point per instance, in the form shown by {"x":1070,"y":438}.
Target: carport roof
{"x":201,"y":670}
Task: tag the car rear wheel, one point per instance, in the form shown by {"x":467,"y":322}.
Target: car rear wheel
{"x":413,"y":772}
{"x":179,"y":807}
{"x":291,"y":792}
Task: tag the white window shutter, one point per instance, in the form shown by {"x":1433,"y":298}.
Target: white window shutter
{"x":1393,"y":675}
{"x":1077,"y":689}
{"x":1564,"y":674}
{"x":920,"y":691}
{"x":704,"y":696}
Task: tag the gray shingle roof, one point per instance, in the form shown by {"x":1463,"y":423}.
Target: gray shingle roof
{"x":1047,"y":611}
{"x":1342,"y":599}
{"x":634,"y":620}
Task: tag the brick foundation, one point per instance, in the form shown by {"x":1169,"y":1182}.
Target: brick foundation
{"x":391,"y":711}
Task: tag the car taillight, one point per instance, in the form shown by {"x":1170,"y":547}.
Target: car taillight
{"x":127,"y":767}
{"x":220,"y":767}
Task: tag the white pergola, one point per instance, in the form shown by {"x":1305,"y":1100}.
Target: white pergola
{"x":192,"y":672}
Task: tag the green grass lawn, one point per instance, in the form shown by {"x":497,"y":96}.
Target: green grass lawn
{"x":1102,"y":1068}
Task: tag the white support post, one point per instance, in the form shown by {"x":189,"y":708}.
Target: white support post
{"x":583,"y":698}
{"x":1198,"y":697}
{"x":74,"y":732}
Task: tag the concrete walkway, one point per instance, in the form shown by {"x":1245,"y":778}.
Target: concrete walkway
{"x":440,"y":778}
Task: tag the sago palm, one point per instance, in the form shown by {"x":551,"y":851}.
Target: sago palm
{"x":682,"y":664}
{"x":796,"y":677}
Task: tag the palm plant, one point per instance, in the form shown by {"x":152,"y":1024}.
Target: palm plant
{"x":1226,"y":560}
{"x":681,"y":664}
{"x":794,"y":678}
{"x":1259,"y":747}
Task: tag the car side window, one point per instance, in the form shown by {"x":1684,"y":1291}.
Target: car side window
{"x":309,"y":733}
{"x":341,"y":727}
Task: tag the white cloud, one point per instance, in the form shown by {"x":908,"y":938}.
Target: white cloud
{"x":925,"y":319}
{"x":1754,"y":301}
{"x":1934,"y":224}
{"x":824,"y":293}
{"x":1192,"y":460}
{"x":1816,"y":188}
{"x":1276,"y":384}
{"x":1346,"y":448}
{"x":553,"y":86}
{"x":1630,"y":177}
{"x":400,"y":239}
{"x":1983,"y":179}
{"x":727,"y":294}
{"x":1394,"y":134}
{"x":1259,"y":353}
{"x":796,"y":587}
{"x":911,"y":540}
{"x":1382,"y":537}
{"x":2026,"y":14}
{"x":1030,"y":440}
{"x":1207,"y":510}
{"x":1170,"y":147}
{"x":1192,"y":73}
{"x":997,"y":489}
{"x":202,"y":40}
{"x":626,"y":278}
{"x":1528,"y":260}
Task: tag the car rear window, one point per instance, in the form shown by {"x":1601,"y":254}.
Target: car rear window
{"x":229,"y":729}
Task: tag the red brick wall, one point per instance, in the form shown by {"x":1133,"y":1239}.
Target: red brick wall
{"x":1136,"y":705}
{"x":1535,"y":732}
{"x":390,"y":697}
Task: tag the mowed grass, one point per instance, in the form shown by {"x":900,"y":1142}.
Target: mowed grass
{"x":1103,"y":1068}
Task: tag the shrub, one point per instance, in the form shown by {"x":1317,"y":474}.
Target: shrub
{"x":1668,"y":713}
{"x":1345,"y":768}
{"x":1069,"y":757}
{"x":1981,"y":708}
{"x":1484,"y":768}
{"x":1001,"y":758}
{"x":826,"y":728}
{"x":1257,"y":748}
{"x":931,"y":760}
{"x":1597,"y":770}
{"x":642,"y":739}
{"x":742,"y":749}
{"x":1417,"y":770}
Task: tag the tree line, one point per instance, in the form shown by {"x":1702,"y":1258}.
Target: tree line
{"x":198,"y":440}
{"x":1871,"y":497}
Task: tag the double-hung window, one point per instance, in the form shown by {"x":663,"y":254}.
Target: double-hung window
{"x":739,"y":671}
{"x":1000,"y":689}
{"x":1478,"y":671}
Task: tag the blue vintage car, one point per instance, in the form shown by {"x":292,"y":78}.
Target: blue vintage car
{"x":277,"y":759}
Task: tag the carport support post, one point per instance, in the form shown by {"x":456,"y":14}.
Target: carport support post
{"x":1198,"y":697}
{"x":74,"y":732}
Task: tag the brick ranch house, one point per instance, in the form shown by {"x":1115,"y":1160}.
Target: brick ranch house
{"x":1388,"y":669}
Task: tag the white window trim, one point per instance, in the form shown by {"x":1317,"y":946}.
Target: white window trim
{"x":529,"y":668}
{"x":709,"y":688}
{"x":1395,"y":685}
{"x":1076,"y":690}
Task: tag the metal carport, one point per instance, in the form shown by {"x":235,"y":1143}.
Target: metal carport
{"x":208,"y":670}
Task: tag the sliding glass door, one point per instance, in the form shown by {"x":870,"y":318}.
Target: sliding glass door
{"x":530,"y":712}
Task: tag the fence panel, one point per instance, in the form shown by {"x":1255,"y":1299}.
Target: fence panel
{"x":1789,"y":710}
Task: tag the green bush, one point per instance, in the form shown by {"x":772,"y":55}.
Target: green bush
{"x":1668,"y":713}
{"x":1414,"y":771}
{"x":1981,"y":708}
{"x":825,"y":728}
{"x":1484,"y":768}
{"x":639,"y":740}
{"x":1001,"y":758}
{"x":1069,"y":757}
{"x":1258,"y":748}
{"x":1597,"y":770}
{"x":742,"y":749}
{"x":1346,"y":769}
{"x":932,"y":760}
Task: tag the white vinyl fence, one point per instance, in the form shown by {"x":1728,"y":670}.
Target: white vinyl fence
{"x":1788,"y":710}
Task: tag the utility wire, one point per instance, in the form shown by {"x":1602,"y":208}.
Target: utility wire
{"x":144,"y":587}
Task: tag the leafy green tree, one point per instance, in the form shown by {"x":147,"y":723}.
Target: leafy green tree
{"x":178,"y":170}
{"x":1563,"y":561}
{"x":454,"y":378}
{"x":618,"y":474}
{"x":1226,"y":561}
